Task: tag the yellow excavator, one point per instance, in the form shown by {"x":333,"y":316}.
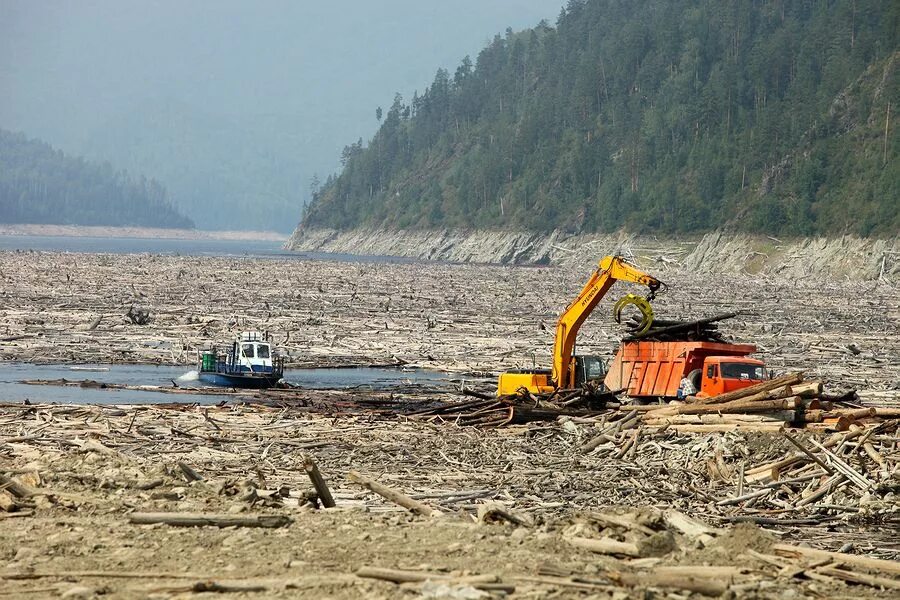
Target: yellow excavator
{"x":571,"y":371}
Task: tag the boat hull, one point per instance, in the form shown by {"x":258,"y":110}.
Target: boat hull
{"x":247,"y":380}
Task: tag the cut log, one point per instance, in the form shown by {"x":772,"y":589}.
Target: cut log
{"x":740,"y":406}
{"x":726,"y":427}
{"x":854,"y":414}
{"x":719,"y":419}
{"x":807,"y":389}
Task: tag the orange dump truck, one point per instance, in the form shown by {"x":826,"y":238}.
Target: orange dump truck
{"x":650,"y":370}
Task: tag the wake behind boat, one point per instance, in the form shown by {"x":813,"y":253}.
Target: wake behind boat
{"x":249,"y":363}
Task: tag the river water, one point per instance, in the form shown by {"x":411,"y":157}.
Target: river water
{"x":200,"y":247}
{"x":13,"y":390}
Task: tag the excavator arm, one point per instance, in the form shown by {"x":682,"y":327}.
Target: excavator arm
{"x":610,"y":270}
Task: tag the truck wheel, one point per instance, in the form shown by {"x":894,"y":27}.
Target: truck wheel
{"x":695,"y":378}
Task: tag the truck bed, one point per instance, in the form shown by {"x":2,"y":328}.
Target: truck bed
{"x":653,"y":369}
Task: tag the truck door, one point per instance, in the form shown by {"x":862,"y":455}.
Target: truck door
{"x":712,"y":384}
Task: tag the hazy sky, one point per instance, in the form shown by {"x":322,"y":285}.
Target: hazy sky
{"x":66,"y":67}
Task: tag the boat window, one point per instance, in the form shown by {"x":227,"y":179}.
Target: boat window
{"x":247,"y":350}
{"x":742,"y":371}
{"x":262,"y":351}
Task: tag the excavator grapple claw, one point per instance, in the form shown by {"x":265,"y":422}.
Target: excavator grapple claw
{"x":642,"y":304}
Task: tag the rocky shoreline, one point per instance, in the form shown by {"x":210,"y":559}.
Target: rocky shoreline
{"x":718,"y":252}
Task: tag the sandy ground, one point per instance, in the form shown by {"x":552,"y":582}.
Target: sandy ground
{"x":93,"y":467}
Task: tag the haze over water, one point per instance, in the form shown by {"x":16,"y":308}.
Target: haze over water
{"x":230,"y":103}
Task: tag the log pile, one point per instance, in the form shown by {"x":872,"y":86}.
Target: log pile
{"x":666,"y":330}
{"x":523,"y":407}
{"x":786,"y":401}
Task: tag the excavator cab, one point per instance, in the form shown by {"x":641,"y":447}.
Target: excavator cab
{"x":588,"y":368}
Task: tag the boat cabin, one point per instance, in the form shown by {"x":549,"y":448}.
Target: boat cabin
{"x":252,"y":352}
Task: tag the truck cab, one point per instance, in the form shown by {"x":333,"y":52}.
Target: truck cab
{"x":722,"y":374}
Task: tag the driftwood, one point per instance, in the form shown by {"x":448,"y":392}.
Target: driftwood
{"x":494,"y":511}
{"x":393,"y":495}
{"x":692,"y":582}
{"x":17,"y":488}
{"x":865,"y":562}
{"x":406,"y":576}
{"x":209,"y":520}
{"x":605,"y":546}
{"x":479,"y":582}
{"x":309,"y":465}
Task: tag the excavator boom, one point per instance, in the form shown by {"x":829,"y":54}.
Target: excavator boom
{"x":610,"y":270}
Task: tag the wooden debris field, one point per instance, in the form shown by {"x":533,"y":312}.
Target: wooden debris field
{"x":443,"y":492}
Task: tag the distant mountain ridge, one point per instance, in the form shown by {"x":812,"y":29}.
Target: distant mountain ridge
{"x":671,"y":116}
{"x":41,"y":185}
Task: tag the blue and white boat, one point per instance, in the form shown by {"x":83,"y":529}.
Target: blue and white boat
{"x":249,"y":363}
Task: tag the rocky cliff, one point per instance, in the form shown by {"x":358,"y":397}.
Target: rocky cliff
{"x":718,"y":252}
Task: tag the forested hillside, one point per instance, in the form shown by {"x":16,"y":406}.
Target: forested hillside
{"x":41,"y":185}
{"x":653,"y":115}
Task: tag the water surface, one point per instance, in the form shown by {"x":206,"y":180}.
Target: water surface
{"x":12,"y":390}
{"x":114,"y":245}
